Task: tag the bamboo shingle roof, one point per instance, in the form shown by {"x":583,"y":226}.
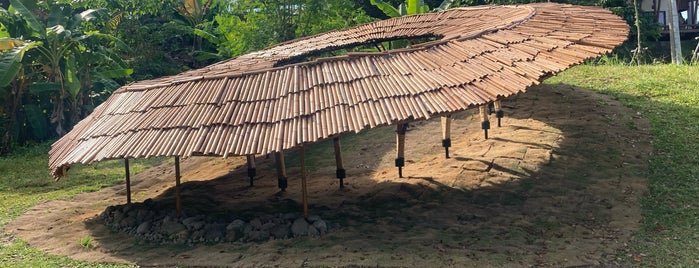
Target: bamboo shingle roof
{"x":272,"y":100}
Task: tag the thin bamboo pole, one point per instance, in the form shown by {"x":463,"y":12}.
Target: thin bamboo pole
{"x":446,"y":134}
{"x":252,"y":171}
{"x":178,"y":197}
{"x":485,"y":123}
{"x":128,"y":180}
{"x":281,"y":170}
{"x":340,"y":172}
{"x":400,"y":147}
{"x":304,"y":190}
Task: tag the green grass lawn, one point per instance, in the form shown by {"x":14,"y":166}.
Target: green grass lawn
{"x":667,"y":95}
{"x":25,"y":181}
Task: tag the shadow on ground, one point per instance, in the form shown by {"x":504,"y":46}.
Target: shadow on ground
{"x":558,"y":185}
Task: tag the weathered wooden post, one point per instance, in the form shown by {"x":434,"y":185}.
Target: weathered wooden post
{"x":446,"y":134}
{"x":281,"y":170}
{"x":498,"y":112}
{"x":128,"y":180}
{"x":485,"y":123}
{"x":178,"y":197}
{"x":252,"y":171}
{"x":304,"y":191}
{"x":400,"y":147}
{"x":340,"y":172}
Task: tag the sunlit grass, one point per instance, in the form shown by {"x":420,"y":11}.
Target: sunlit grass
{"x":25,"y":181}
{"x":668,"y":95}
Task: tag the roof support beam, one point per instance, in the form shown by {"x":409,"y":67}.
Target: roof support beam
{"x":252,"y":171}
{"x":446,"y":134}
{"x":128,"y":180}
{"x":304,"y":190}
{"x":340,"y":172}
{"x":400,"y":147}
{"x":498,"y":112}
{"x":281,"y":170}
{"x":485,"y":123}
{"x":178,"y":197}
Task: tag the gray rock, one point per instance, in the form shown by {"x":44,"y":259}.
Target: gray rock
{"x":290,"y":216}
{"x":181,"y":237}
{"x":168,"y":218}
{"x":144,"y":215}
{"x":267,"y":226}
{"x":171,"y":227}
{"x":313,"y":218}
{"x":190,"y":220}
{"x":248,"y":228}
{"x":143,"y":228}
{"x":321,"y":226}
{"x":117,"y":216}
{"x":132,"y":213}
{"x":197,"y":236}
{"x":126,"y":208}
{"x":214,"y":232}
{"x":232,"y":236}
{"x":258,"y":236}
{"x":256,"y":223}
{"x":280,"y":231}
{"x":197,"y":225}
{"x":300,"y":227}
{"x":313,"y":232}
{"x":237,"y":225}
{"x":127,"y":222}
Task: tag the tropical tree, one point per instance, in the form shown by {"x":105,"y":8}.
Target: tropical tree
{"x":51,"y":71}
{"x":409,"y":7}
{"x":248,"y":25}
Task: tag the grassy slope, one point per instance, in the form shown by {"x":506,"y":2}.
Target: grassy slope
{"x":668,"y":96}
{"x":25,"y":181}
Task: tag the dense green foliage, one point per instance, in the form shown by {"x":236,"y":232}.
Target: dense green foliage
{"x":668,"y":96}
{"x":58,"y":60}
{"x":56,"y":66}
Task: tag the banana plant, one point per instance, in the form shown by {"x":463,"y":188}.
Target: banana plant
{"x":409,"y":7}
{"x":49,"y":64}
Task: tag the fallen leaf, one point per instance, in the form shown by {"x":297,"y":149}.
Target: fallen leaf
{"x":659,"y":227}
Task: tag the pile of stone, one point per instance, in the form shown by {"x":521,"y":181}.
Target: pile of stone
{"x":149,"y":221}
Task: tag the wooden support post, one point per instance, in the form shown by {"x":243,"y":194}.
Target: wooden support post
{"x":498,"y":112}
{"x":400,"y":147}
{"x":178,"y":197}
{"x":128,"y":180}
{"x":252,"y":171}
{"x":304,"y":191}
{"x":446,"y":134}
{"x":340,"y":172}
{"x":485,"y":123}
{"x":281,"y":170}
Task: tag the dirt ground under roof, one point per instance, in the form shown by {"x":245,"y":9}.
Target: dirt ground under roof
{"x":558,"y":184}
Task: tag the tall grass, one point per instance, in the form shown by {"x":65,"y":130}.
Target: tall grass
{"x":668,"y":95}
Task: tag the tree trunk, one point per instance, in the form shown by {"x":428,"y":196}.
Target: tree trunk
{"x":637,"y":54}
{"x":675,"y":46}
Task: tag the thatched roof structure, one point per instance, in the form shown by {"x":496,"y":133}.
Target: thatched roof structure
{"x":272,"y":100}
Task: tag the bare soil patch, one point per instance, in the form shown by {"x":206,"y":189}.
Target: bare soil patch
{"x":557,"y":185}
